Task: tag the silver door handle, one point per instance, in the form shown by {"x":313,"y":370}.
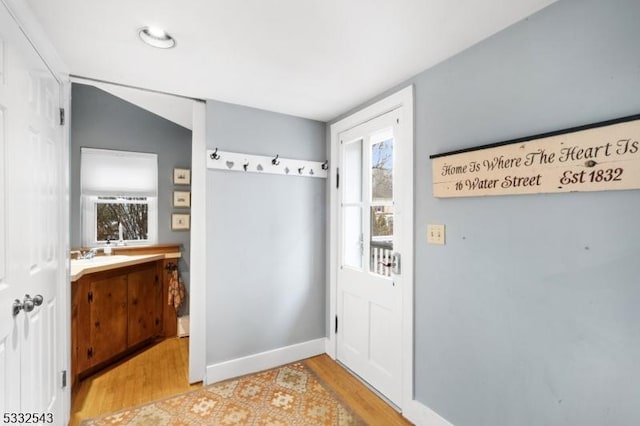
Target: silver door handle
{"x":394,"y":263}
{"x":27,"y":305}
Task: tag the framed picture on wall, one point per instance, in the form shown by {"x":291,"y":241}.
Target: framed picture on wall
{"x":181,"y":198}
{"x":181,"y":176}
{"x":180,"y":222}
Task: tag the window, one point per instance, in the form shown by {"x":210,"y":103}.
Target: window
{"x":382,"y":208}
{"x":119,"y":196}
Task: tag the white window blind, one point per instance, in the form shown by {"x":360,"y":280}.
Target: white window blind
{"x":123,"y":173}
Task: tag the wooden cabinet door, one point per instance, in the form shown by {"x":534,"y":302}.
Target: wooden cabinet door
{"x":107,"y":315}
{"x":143,"y":319}
{"x":159,"y":300}
{"x":77,"y":290}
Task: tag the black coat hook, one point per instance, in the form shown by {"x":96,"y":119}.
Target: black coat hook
{"x":245,"y":166}
{"x":214,"y":155}
{"x":275,"y":161}
{"x":300,"y":169}
{"x":325,"y":165}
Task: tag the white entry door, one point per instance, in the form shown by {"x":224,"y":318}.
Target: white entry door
{"x":369,"y":276}
{"x":31,"y":233}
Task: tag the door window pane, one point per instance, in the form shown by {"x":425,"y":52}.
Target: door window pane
{"x":382,"y":224}
{"x":353,"y":172}
{"x":381,"y":239}
{"x":352,"y":237}
{"x":382,"y":171}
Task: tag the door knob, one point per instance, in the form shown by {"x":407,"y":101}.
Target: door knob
{"x":27,"y":305}
{"x":393,"y":263}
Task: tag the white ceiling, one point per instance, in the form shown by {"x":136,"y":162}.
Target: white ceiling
{"x":310,"y":58}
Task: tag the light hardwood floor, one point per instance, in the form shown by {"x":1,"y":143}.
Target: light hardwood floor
{"x":157,"y":372}
{"x":162,"y":371}
{"x":372,"y":409}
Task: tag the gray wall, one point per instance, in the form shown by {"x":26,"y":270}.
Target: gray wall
{"x":101,"y":120}
{"x":265,"y":237}
{"x":530,"y":315}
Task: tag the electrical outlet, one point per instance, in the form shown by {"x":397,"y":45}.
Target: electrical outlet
{"x":435,"y":234}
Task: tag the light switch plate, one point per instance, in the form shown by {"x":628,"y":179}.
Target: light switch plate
{"x":435,"y":234}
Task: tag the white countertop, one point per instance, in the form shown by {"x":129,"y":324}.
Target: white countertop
{"x":79,"y":268}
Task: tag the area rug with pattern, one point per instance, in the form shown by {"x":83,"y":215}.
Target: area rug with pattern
{"x":288,"y":395}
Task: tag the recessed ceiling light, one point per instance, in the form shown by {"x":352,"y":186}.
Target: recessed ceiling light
{"x":156,"y":37}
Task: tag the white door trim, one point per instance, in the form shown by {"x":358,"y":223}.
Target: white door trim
{"x":404,"y":99}
{"x":64,"y":248}
{"x":197,"y":304}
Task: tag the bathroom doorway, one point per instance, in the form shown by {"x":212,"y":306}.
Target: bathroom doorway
{"x":111,"y":116}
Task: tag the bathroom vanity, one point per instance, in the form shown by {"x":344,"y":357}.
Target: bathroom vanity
{"x":119,"y":305}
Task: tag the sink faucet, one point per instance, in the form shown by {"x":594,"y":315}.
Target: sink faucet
{"x":89,"y":254}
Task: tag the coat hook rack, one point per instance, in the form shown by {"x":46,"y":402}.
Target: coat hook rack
{"x":214,"y":155}
{"x":236,"y":161}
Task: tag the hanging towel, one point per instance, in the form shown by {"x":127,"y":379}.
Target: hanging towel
{"x":176,"y":290}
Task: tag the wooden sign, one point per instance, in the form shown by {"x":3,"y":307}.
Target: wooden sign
{"x":598,"y":157}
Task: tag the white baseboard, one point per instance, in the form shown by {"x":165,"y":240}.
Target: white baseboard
{"x":264,"y":360}
{"x":421,"y":415}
